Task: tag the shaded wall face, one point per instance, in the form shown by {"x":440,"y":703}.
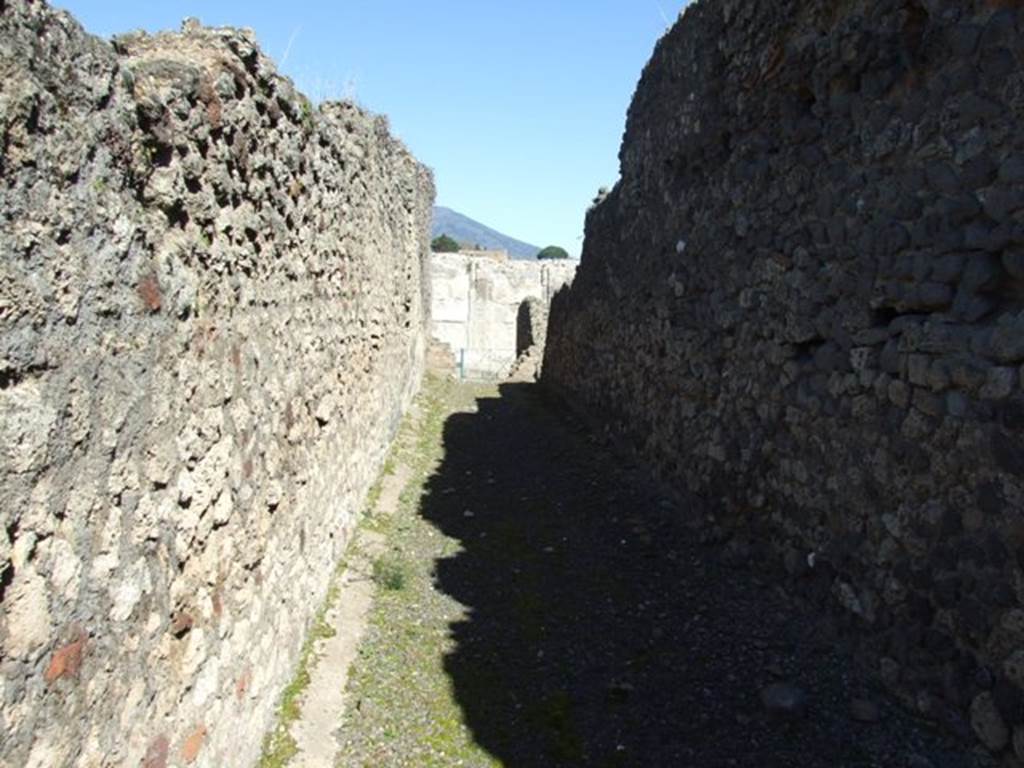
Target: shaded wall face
{"x":476,"y":306}
{"x":531,"y":325}
{"x":803,"y":301}
{"x":212,"y":316}
{"x":524,"y":327}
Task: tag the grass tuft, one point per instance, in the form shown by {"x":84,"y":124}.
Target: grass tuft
{"x":390,"y":572}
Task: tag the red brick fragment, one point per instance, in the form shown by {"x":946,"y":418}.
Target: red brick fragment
{"x":194,"y":743}
{"x":242,"y":686}
{"x":66,"y":661}
{"x":149,"y":292}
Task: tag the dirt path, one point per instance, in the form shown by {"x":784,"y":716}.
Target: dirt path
{"x":538,"y":606}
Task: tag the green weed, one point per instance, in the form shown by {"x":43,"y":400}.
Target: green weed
{"x":390,"y":572}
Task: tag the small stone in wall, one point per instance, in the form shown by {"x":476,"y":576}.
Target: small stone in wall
{"x":182,"y":622}
{"x":26,"y":422}
{"x":28,"y":615}
{"x":1014,"y":668}
{"x":1000,"y":383}
{"x":129,"y":590}
{"x":784,"y":701}
{"x":1018,"y":742}
{"x":987,"y":723}
{"x":864,"y":711}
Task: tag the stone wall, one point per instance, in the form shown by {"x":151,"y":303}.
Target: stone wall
{"x":477,"y":302}
{"x":805,"y":300}
{"x":211,"y":319}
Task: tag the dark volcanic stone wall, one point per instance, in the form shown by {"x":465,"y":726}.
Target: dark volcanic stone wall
{"x":211,"y":319}
{"x":805,"y":301}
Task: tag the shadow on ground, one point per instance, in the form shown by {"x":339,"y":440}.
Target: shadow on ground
{"x":601,"y":634}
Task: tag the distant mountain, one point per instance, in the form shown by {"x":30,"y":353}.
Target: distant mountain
{"x":469,"y":232}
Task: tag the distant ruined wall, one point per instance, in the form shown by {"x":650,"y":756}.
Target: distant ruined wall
{"x":211,"y":319}
{"x":476,"y":304}
{"x":805,"y":301}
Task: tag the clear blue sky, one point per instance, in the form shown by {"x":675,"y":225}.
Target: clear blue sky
{"x":517,"y":105}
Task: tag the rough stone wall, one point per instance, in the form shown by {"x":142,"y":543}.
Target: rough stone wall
{"x":476,"y":303}
{"x":805,"y":300}
{"x":211,"y":319}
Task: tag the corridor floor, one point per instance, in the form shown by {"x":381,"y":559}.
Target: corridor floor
{"x":539,"y":604}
